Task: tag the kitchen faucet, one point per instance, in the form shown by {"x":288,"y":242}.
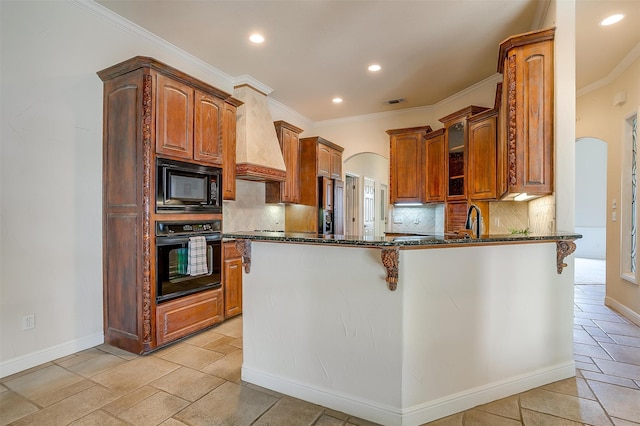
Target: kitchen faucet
{"x":469,"y":224}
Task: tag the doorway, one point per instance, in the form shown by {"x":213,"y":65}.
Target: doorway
{"x":591,"y":210}
{"x":351,"y":208}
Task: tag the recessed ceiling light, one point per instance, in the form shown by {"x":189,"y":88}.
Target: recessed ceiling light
{"x":374,"y":67}
{"x":610,"y":20}
{"x":336,"y":100}
{"x":256,"y":38}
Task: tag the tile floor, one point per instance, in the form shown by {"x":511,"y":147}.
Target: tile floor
{"x":197,"y":382}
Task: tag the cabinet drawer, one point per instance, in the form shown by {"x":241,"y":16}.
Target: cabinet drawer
{"x":187,"y":315}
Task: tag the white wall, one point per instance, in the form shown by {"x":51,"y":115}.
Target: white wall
{"x":591,"y":197}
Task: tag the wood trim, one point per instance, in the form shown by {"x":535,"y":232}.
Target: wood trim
{"x":521,"y":40}
{"x":244,"y":247}
{"x":418,"y":129}
{"x":390,"y":260}
{"x":250,"y":171}
{"x":563,"y":249}
{"x":147,"y":159}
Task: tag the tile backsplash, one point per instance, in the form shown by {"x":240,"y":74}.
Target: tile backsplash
{"x":419,"y":219}
{"x":249,"y":211}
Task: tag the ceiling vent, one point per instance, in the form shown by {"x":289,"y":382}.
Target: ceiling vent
{"x":393,"y":101}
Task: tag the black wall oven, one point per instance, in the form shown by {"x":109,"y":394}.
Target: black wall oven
{"x":179,"y":269}
{"x":187,"y":187}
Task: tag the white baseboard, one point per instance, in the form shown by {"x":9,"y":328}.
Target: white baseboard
{"x":416,"y":415}
{"x":34,"y":359}
{"x":626,"y":312}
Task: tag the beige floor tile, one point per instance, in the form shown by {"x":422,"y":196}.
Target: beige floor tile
{"x":626,"y":340}
{"x":533,"y":418}
{"x":71,"y":360}
{"x":117,"y":352}
{"x":153,"y":410}
{"x":129,"y":400}
{"x":3,"y":388}
{"x":25,"y":372}
{"x":621,"y":422}
{"x":238,"y":343}
{"x":587,"y":366}
{"x":618,"y":401}
{"x":620,"y":369}
{"x":590,"y":351}
{"x":72,"y":408}
{"x":193,"y":356}
{"x":279,"y":395}
{"x":97,"y":364}
{"x":360,"y":422}
{"x":231,"y":327}
{"x":219,"y":345}
{"x":187,"y":383}
{"x":204,"y":338}
{"x":290,"y":412}
{"x":481,"y":418}
{"x":229,"y":404}
{"x":572,"y":386}
{"x":134,"y":374}
{"x":581,"y":336}
{"x":621,"y":381}
{"x":227,"y":368}
{"x":14,"y":407}
{"x":98,"y":418}
{"x":596,"y":308}
{"x":62,"y":393}
{"x":172,"y":422}
{"x":326,"y":420}
{"x":506,"y":407}
{"x":622,"y":353}
{"x":616,"y":327}
{"x":43,"y":381}
{"x":597,"y":318}
{"x":455,"y":420}
{"x":565,"y":406}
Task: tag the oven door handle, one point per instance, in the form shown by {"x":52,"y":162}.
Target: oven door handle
{"x":183,"y":239}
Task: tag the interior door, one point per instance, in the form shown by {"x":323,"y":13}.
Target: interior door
{"x":351,"y":208}
{"x":369,"y":207}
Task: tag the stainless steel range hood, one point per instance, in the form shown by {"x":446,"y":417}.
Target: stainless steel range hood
{"x":258,"y":154}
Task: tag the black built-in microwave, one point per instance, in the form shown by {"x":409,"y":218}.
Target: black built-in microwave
{"x":187,"y":187}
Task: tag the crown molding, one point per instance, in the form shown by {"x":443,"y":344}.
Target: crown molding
{"x":247,"y":80}
{"x":101,"y":11}
{"x":629,"y":59}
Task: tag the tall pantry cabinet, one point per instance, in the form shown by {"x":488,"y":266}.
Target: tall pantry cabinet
{"x":151,"y":110}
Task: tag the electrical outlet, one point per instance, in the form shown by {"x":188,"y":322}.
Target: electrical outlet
{"x":28,"y":321}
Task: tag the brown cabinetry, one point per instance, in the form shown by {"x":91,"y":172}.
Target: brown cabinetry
{"x":229,"y":149}
{"x":482,"y":156}
{"x":188,"y":122}
{"x":329,"y":161}
{"x":151,"y":110}
{"x":232,"y":278}
{"x":407,"y":164}
{"x":289,"y":190}
{"x":434,"y":180}
{"x":526,"y":114}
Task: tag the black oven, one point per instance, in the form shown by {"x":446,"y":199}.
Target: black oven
{"x":187,"y":187}
{"x":188,"y":258}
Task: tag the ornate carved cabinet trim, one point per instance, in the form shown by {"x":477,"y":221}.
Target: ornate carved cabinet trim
{"x":244,"y":247}
{"x":390,"y":260}
{"x":147,"y":158}
{"x":563,"y":249}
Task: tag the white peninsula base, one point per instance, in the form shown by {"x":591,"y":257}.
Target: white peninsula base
{"x":465,"y":326}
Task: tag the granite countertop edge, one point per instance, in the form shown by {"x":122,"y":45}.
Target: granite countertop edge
{"x":410,"y":241}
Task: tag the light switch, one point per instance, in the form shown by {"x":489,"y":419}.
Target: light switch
{"x":614,"y":204}
{"x":614,"y":216}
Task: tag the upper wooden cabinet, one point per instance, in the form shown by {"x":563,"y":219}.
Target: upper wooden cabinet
{"x":435,"y":154}
{"x":329,"y":160}
{"x":188,"y":122}
{"x":289,"y":190}
{"x":482,"y":156}
{"x":456,"y":145}
{"x":229,"y":149}
{"x":526,"y":114}
{"x":407,"y":164}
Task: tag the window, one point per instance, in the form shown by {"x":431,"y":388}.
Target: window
{"x":629,"y":225}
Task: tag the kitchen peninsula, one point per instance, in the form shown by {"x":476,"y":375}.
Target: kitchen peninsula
{"x":468,"y":321}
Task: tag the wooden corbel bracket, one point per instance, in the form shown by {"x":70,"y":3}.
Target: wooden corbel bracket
{"x":390,"y":260}
{"x":563,"y":249}
{"x":244,"y":247}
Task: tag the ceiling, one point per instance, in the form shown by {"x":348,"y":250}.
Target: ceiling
{"x":316,"y":50}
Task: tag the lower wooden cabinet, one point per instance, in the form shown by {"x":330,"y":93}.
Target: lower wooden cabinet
{"x":232,"y":279}
{"x":186,"y":315}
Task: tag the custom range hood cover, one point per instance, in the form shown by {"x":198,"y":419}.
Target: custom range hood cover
{"x":258,"y":154}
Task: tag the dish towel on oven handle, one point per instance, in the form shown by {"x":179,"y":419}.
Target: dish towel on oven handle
{"x":197,"y":264}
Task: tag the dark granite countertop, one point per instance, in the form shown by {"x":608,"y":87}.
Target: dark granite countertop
{"x":395,"y":240}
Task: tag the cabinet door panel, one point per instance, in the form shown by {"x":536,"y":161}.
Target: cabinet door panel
{"x":291,"y":154}
{"x":324,"y":160}
{"x":232,"y":280}
{"x":336,"y":164}
{"x":482,"y":159}
{"x":174,"y":118}
{"x":406,"y":167}
{"x":434,"y":176}
{"x":207,"y":141}
{"x":229,"y":152}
